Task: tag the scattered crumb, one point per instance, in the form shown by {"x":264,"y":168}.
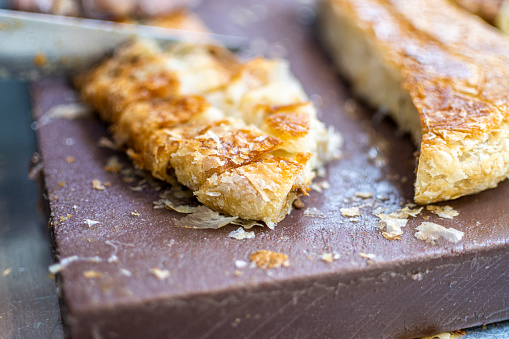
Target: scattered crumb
{"x":240,"y":263}
{"x":330,"y":257}
{"x":267,"y":259}
{"x":97,"y":185}
{"x":6,"y":272}
{"x":64,"y":262}
{"x":314,"y":212}
{"x":136,"y":214}
{"x":70,"y":111}
{"x":90,"y":223}
{"x":391,"y":236}
{"x":159,"y":273}
{"x":320,"y":186}
{"x":62,"y":218}
{"x":125,"y":272}
{"x":106,"y":143}
{"x":298,"y":204}
{"x":392,"y":224}
{"x":369,"y":256}
{"x":446,"y":335}
{"x":113,"y":165}
{"x":430,"y":232}
{"x":240,"y":234}
{"x":70,"y":160}
{"x":238,"y":273}
{"x":446,"y":212}
{"x":75,"y":207}
{"x":92,"y":274}
{"x":351,"y":212}
{"x":107,"y":184}
{"x":364,"y":195}
{"x":61,"y":183}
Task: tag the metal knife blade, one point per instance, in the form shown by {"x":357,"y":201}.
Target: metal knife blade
{"x":33,"y":44}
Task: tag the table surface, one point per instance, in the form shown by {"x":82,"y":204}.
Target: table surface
{"x":28,"y":294}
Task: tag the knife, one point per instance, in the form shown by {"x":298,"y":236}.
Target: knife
{"x":33,"y":44}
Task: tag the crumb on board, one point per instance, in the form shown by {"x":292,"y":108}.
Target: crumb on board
{"x":364,"y":195}
{"x":92,"y":274}
{"x":106,"y":143}
{"x":70,"y":159}
{"x":369,"y":256}
{"x":90,"y":223}
{"x":265,"y":259}
{"x":429,"y":232}
{"x":240,"y":234}
{"x":237,"y":273}
{"x":446,"y":212}
{"x":98,"y":185}
{"x":6,"y":272}
{"x":240,"y":263}
{"x":298,"y":204}
{"x":136,"y":214}
{"x":160,"y":273}
{"x":446,"y":335}
{"x":350,"y":212}
{"x":125,"y":272}
{"x":61,"y":184}
{"x":113,"y":165}
{"x":314,"y":212}
{"x":391,"y":224}
{"x":330,"y":257}
{"x":62,"y":218}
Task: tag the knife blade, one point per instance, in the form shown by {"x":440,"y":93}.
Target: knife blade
{"x":32,"y":44}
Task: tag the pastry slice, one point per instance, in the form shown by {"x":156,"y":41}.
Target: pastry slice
{"x":243,"y":137}
{"x":444,"y":76}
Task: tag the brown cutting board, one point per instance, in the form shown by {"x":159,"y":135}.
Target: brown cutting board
{"x":410,"y":288}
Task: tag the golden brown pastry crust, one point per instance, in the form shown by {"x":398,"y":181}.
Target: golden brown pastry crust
{"x":182,"y":114}
{"x":454,"y":68}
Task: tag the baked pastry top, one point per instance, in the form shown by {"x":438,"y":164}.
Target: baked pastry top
{"x":242,"y":136}
{"x":442,"y":72}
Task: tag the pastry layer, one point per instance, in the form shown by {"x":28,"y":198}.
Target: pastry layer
{"x":444,"y":76}
{"x":243,"y":137}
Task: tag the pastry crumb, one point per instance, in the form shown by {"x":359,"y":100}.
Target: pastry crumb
{"x":125,"y":272}
{"x":136,"y":214}
{"x":330,"y":257}
{"x":92,"y":274}
{"x":240,"y":234}
{"x":61,"y":183}
{"x":429,"y":232}
{"x":350,"y":212}
{"x":240,"y":263}
{"x":91,"y":223}
{"x":364,"y":195}
{"x":265,"y":259}
{"x":369,"y":256}
{"x":97,"y":185}
{"x":113,"y":165}
{"x":159,"y":273}
{"x":298,"y":204}
{"x":314,"y":213}
{"x":446,"y":212}
{"x":106,"y":143}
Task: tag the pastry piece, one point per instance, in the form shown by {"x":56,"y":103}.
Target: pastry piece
{"x":243,"y":137}
{"x":444,"y":76}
